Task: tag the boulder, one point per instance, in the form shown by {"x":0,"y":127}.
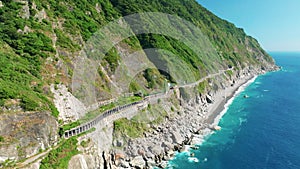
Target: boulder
{"x":176,"y":137}
{"x":149,"y":154}
{"x":156,"y":149}
{"x":138,"y":162}
{"x":167,"y":144}
{"x":151,"y":163}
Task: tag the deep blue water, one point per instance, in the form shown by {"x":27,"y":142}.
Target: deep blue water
{"x":259,"y":132}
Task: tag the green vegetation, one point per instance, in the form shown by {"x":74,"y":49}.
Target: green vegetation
{"x":21,"y":59}
{"x":127,"y":100}
{"x":133,"y":42}
{"x":85,"y":143}
{"x":9,"y":163}
{"x":112,"y":59}
{"x":121,"y":101}
{"x":149,"y":81}
{"x":129,"y":128}
{"x":60,"y":157}
{"x":19,"y":80}
{"x":31,"y":59}
{"x":1,"y":138}
{"x":26,"y":43}
{"x":154,"y":79}
{"x":81,"y":15}
{"x":156,"y":113}
{"x":68,"y":127}
{"x":64,"y":41}
{"x":32,"y":44}
{"x":229,"y":41}
{"x":135,"y":127}
{"x":202,"y":87}
{"x":229,"y":72}
{"x":177,"y":48}
{"x":135,"y":87}
{"x":91,"y":115}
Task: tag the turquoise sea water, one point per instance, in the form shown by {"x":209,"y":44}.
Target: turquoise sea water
{"x":259,"y":132}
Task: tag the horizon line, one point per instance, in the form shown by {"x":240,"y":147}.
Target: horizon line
{"x":283,"y":51}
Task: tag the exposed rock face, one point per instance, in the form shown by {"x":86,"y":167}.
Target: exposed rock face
{"x":80,"y":161}
{"x":69,"y":107}
{"x":187,"y":125}
{"x":25,"y":12}
{"x":26,"y":133}
{"x":176,"y":137}
{"x":90,"y":158}
{"x":98,"y":154}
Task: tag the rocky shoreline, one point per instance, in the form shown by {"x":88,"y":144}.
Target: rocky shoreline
{"x":190,"y":116}
{"x":195,"y":119}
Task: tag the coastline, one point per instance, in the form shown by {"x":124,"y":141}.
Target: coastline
{"x":221,"y":104}
{"x":187,"y":127}
{"x":217,"y":109}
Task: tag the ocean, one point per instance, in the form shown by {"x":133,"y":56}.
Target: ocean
{"x":258,"y":132}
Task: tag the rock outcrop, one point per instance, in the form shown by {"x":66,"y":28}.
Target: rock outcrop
{"x":25,"y":134}
{"x":184,"y":125}
{"x":50,"y":40}
{"x":137,"y":162}
{"x":69,"y":107}
{"x":187,"y":126}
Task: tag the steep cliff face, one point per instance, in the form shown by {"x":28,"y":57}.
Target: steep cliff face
{"x":26,"y":134}
{"x":70,"y":57}
{"x":183,"y":118}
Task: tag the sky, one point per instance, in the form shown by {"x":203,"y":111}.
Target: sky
{"x":274,"y":23}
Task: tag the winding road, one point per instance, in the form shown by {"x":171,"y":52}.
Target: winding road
{"x":87,"y":126}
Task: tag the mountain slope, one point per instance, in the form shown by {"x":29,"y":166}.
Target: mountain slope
{"x":48,"y":43}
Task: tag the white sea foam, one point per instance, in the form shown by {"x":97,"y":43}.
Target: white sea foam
{"x":200,"y":139}
{"x":207,"y":132}
{"x":193,"y":159}
{"x":229,"y":102}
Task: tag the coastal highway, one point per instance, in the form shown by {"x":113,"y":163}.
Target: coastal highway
{"x":101,"y":118}
{"x":87,"y":126}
